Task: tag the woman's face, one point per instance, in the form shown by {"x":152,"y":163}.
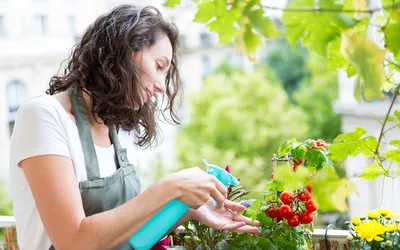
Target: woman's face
{"x":153,"y":63}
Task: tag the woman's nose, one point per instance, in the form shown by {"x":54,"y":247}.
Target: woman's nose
{"x":159,"y":87}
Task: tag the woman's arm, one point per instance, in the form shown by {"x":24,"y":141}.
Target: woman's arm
{"x":57,"y":196}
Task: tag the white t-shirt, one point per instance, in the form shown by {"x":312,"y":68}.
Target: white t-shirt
{"x":42,"y":127}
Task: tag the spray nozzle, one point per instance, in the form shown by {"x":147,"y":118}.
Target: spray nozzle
{"x":221,"y":174}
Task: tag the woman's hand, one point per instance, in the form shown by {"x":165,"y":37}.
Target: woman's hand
{"x":194,"y":187}
{"x":225,"y":218}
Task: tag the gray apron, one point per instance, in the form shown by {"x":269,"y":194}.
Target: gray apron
{"x":102,"y":194}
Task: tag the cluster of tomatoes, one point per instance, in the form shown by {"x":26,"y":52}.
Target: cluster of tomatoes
{"x":295,"y":207}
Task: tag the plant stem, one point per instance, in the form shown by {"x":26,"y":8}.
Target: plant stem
{"x":393,"y":198}
{"x":371,"y":11}
{"x":395,"y":94}
{"x":383,"y":188}
{"x":387,"y":130}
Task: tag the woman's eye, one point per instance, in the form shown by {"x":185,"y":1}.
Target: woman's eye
{"x":159,"y":66}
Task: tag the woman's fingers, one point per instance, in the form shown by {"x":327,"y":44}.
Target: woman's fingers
{"x":234,"y":206}
{"x":233,"y":226}
{"x":247,"y":220}
{"x":218,"y":197}
{"x":247,"y":229}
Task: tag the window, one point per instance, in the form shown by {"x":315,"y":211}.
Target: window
{"x":16,"y":95}
{"x":206,"y":65}
{"x":182,"y":41}
{"x":2,"y":27}
{"x":72,"y":28}
{"x":41,"y":25}
{"x":205,"y":40}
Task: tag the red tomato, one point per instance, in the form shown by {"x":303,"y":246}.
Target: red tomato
{"x":309,"y":188}
{"x":286,"y":211}
{"x":304,"y":195}
{"x":287,"y":197}
{"x":272,"y":213}
{"x":306,"y":218}
{"x":293,"y":221}
{"x":311,"y":205}
{"x":272,"y":176}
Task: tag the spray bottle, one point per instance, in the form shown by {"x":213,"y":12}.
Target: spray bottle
{"x":157,"y":226}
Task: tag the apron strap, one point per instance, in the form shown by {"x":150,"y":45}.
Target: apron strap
{"x":120,"y":153}
{"x":82,"y":122}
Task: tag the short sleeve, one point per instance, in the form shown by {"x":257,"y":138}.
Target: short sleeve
{"x":38,"y":130}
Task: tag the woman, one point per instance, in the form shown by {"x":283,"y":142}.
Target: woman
{"x":73,"y":184}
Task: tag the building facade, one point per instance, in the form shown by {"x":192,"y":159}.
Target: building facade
{"x":37,"y":35}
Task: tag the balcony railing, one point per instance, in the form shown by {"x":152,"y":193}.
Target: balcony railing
{"x":322,"y":239}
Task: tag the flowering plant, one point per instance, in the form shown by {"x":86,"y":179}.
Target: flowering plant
{"x":379,"y":229}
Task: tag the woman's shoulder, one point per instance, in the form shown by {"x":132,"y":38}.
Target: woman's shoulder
{"x":40,"y":106}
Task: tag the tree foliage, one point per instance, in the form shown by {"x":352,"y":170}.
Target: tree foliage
{"x":239,"y":119}
{"x":337,"y":30}
{"x":340,"y":32}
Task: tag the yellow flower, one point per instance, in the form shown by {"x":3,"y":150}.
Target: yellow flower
{"x":390,"y":216}
{"x":398,"y":227}
{"x":373,"y":214}
{"x":391,"y":227}
{"x":356,"y":220}
{"x":384,"y":211}
{"x":370,"y":230}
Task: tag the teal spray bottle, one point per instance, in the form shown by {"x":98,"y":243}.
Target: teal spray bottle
{"x":157,"y":226}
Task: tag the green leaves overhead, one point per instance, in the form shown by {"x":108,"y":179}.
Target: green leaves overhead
{"x":336,"y":30}
{"x":316,"y":29}
{"x":368,"y":58}
{"x":237,"y":21}
{"x":392,"y":33}
{"x":172,"y":3}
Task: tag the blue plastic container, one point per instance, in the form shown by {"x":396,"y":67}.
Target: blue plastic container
{"x":151,"y":232}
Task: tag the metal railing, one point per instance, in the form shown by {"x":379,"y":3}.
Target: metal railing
{"x":323,"y":239}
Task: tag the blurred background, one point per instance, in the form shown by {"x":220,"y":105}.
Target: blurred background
{"x":235,"y":112}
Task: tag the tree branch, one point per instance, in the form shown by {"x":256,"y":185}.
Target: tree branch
{"x":371,"y":11}
{"x":395,"y":94}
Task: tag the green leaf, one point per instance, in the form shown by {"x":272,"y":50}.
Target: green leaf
{"x":351,"y":136}
{"x":314,"y":157}
{"x":285,"y":146}
{"x":225,"y":29}
{"x":388,"y":82}
{"x":262,"y":24}
{"x":397,"y":115}
{"x":249,"y":42}
{"x":224,"y":23}
{"x":352,"y":144}
{"x":205,"y":11}
{"x":393,"y":155}
{"x":368,"y":58}
{"x":172,"y":3}
{"x":264,"y":220}
{"x":395,"y":143}
{"x":368,"y":146}
{"x":253,"y":210}
{"x":392,"y":34}
{"x":351,"y":71}
{"x":372,"y":172}
{"x":333,"y":196}
{"x":316,"y":29}
{"x":292,"y":180}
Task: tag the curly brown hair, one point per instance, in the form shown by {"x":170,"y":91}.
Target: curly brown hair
{"x":102,"y":64}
